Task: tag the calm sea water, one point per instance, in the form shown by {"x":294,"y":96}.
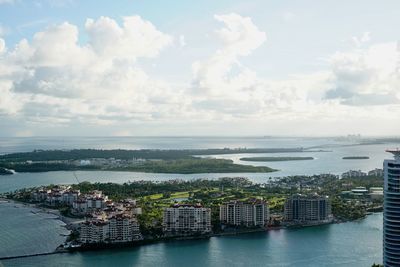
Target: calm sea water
{"x":26,"y":230}
{"x":349,"y":244}
{"x":23,"y":144}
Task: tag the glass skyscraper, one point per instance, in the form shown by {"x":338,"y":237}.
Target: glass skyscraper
{"x":391,"y":213}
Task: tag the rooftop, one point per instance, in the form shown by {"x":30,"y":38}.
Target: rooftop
{"x":395,"y":152}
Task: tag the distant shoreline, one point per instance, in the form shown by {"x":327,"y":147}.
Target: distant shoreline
{"x":355,"y":157}
{"x":272,"y":159}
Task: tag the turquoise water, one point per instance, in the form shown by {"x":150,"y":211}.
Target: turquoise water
{"x":347,"y":244}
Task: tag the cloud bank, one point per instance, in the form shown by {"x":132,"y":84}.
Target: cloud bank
{"x":58,"y":79}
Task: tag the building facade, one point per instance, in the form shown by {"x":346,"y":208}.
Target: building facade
{"x":391,"y":211}
{"x":58,"y":195}
{"x":254,"y":213}
{"x":94,"y":231}
{"x":304,"y":209}
{"x":182,"y":219}
{"x":87,"y":203}
{"x":115,"y":228}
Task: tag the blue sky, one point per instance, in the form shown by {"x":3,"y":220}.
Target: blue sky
{"x":200,"y":68}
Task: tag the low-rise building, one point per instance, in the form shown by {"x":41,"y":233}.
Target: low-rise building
{"x":360,"y":191}
{"x":376,"y":193}
{"x":252,"y":213}
{"x":183,"y":219}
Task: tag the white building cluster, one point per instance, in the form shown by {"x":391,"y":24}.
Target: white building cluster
{"x":106,"y":221}
{"x":116,"y":223}
{"x":358,"y":173}
{"x":58,"y":195}
{"x":376,"y":172}
{"x":354,"y":173}
{"x":184,"y":219}
{"x":253,"y":213}
{"x":90,"y":202}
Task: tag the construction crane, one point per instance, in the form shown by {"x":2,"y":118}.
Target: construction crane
{"x":76,"y":177}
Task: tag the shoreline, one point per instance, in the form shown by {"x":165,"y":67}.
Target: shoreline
{"x":96,"y":247}
{"x":151,"y":171}
{"x":46,"y":210}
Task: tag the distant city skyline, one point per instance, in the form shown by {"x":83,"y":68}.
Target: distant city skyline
{"x":189,"y":68}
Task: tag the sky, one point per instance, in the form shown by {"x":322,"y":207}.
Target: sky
{"x":193,"y":68}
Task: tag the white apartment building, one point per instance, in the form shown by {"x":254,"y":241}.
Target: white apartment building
{"x":68,"y":197}
{"x":59,"y":195}
{"x":115,"y":228}
{"x":123,"y":228}
{"x":94,"y":231}
{"x":183,"y":219}
{"x":54,"y":199}
{"x":251,"y":213}
{"x":89,"y":202}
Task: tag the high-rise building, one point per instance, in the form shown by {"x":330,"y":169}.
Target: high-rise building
{"x":250,"y":213}
{"x":114,"y":228}
{"x":183,"y":219}
{"x":305,"y":209}
{"x":391,"y":211}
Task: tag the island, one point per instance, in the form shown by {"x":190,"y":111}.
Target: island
{"x":356,"y":157}
{"x":4,"y":171}
{"x":152,"y":161}
{"x":266,"y":159}
{"x":148,"y":211}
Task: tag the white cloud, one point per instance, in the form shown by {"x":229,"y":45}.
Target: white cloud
{"x":364,"y":38}
{"x":96,"y":82}
{"x":2,"y":46}
{"x":56,"y":79}
{"x":182,"y":41}
{"x":222,"y":74}
{"x":288,"y":16}
{"x":136,"y":38}
{"x":10,"y":103}
{"x":366,"y":76}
